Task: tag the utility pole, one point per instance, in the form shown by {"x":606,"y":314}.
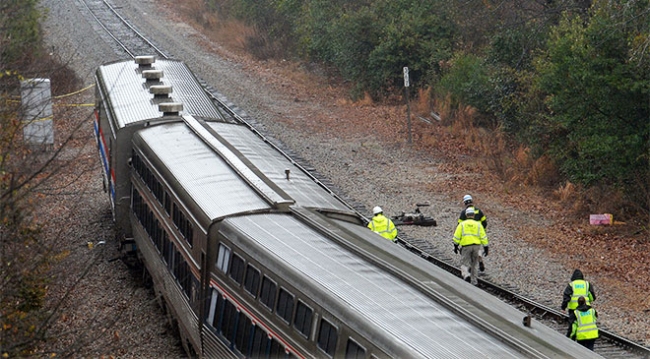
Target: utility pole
{"x":408,"y":106}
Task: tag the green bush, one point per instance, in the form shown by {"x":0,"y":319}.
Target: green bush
{"x":467,"y":82}
{"x":20,"y":35}
{"x":597,"y":98}
{"x":566,"y":78}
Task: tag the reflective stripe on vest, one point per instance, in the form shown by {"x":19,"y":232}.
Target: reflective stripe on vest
{"x":587,"y":328}
{"x":385,"y":223}
{"x":580,"y":289}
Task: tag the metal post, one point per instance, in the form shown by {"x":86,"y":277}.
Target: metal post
{"x":408,"y":114}
{"x":408,"y":106}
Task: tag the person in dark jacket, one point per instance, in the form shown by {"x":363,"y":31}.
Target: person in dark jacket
{"x":576,"y":288}
{"x":583,"y":327}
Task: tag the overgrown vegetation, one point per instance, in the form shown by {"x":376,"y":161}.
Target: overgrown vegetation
{"x":27,"y":257}
{"x":567,"y":82}
{"x":19,"y":30}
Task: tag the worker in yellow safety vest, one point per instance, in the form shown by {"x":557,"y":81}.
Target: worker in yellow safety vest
{"x":584,"y":329}
{"x":469,"y":237}
{"x":382,"y":225}
{"x":578,"y":287}
{"x":479,"y":216}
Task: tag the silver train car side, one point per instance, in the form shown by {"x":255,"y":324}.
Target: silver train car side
{"x":254,"y":259}
{"x":130,"y":95}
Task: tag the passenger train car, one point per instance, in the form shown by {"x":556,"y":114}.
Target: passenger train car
{"x":255,"y":259}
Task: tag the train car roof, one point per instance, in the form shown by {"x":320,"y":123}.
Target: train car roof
{"x":229,"y":170}
{"x":299,"y":186}
{"x":192,"y":166}
{"x":428,"y":328}
{"x":130,"y":98}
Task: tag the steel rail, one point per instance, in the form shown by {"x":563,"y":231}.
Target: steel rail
{"x":128,"y":25}
{"x":540,"y":311}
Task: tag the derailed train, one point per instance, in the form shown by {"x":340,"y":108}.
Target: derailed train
{"x":254,"y":258}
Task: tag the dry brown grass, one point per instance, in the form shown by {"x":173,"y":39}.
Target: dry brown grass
{"x":233,"y":34}
{"x":518,"y":168}
{"x":492,"y":148}
{"x":422,"y":103}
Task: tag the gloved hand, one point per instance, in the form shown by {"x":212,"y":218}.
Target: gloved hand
{"x":485,"y":251}
{"x":455,"y":248}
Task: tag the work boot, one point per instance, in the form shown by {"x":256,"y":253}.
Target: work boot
{"x":481,"y":266}
{"x":468,"y":279}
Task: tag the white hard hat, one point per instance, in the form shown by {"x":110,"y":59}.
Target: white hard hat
{"x":467,"y":199}
{"x":469,"y":212}
{"x":376,"y":210}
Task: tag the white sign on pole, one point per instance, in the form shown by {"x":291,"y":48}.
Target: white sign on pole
{"x":406,"y":76}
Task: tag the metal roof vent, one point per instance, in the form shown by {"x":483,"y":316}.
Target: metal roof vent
{"x":160,"y":91}
{"x":152,"y":75}
{"x":170,"y":108}
{"x":145,"y":61}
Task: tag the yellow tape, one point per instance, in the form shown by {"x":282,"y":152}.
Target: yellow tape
{"x":63,"y":104}
{"x":75,"y":105}
{"x":76,"y":92}
{"x":61,"y":96}
{"x":40,"y":119}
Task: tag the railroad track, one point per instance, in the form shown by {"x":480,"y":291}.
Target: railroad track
{"x":131,"y":42}
{"x":609,"y":345}
{"x":125,"y":37}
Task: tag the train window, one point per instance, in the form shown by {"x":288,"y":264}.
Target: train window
{"x":244,"y":333}
{"x":252,"y":281}
{"x":216,"y":306}
{"x":167,"y":203}
{"x":175,"y":213}
{"x":189,"y":234}
{"x":157,"y":234}
{"x":228,"y":321}
{"x":285,"y":305}
{"x":303,"y":318}
{"x":148,"y":221}
{"x":211,"y":306}
{"x":175,"y":260}
{"x":184,"y":277}
{"x":267,"y":294}
{"x":260,"y":345}
{"x":147,"y":176}
{"x":354,"y":350}
{"x":136,"y":203}
{"x":277,"y":350}
{"x":327,"y":337}
{"x":166,"y":249}
{"x":181,"y":223}
{"x":135,"y":160}
{"x":237,"y":268}
{"x":223,"y":258}
{"x":159,"y":192}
